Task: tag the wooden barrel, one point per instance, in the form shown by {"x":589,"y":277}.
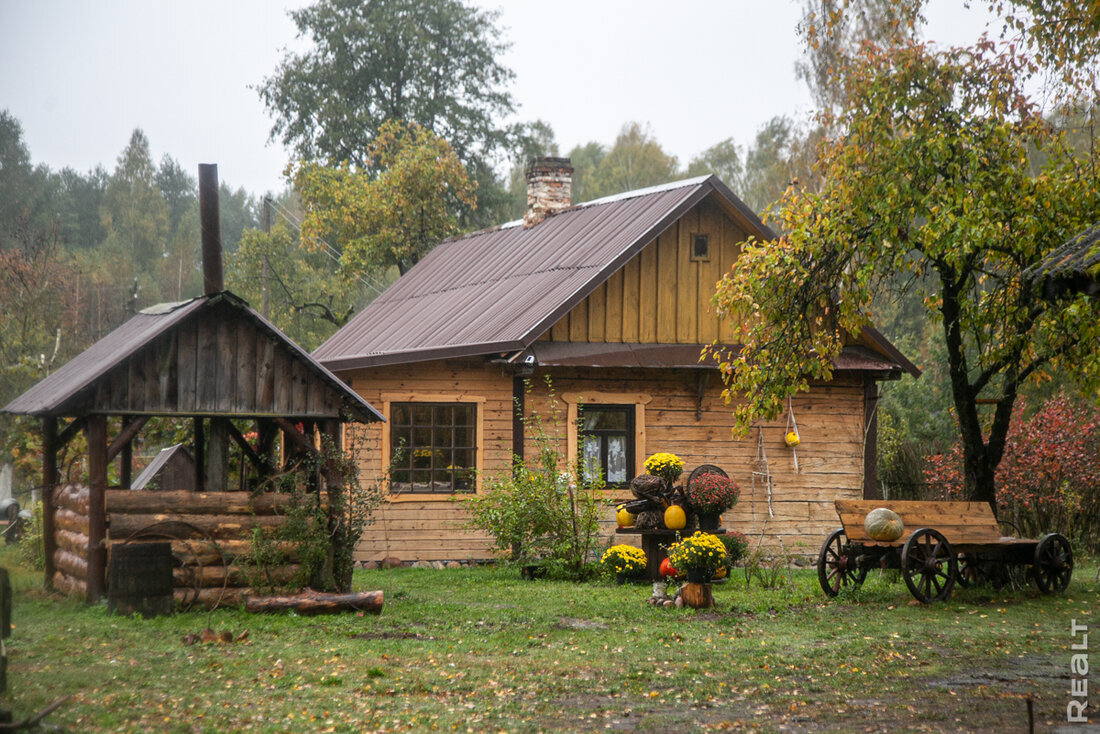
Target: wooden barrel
{"x":139,"y":579}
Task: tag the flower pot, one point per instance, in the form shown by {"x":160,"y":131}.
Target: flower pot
{"x":697,"y":575}
{"x":709,"y":521}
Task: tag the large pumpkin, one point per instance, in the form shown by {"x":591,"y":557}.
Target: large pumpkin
{"x":883,"y":524}
{"x":675,"y":518}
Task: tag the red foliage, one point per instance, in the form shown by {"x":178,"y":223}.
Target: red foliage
{"x":1049,"y":478}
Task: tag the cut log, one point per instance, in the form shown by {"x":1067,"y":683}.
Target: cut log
{"x":69,"y":520}
{"x":183,"y":502}
{"x":70,"y":563}
{"x":185,"y":526}
{"x":209,"y":576}
{"x":314,"y":602}
{"x":194,"y":552}
{"x":697,"y":596}
{"x":72,"y":497}
{"x":209,"y":598}
{"x":73,"y":542}
{"x":66,"y":584}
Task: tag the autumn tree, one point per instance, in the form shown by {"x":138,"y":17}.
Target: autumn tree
{"x":929,"y":177}
{"x":134,"y":212}
{"x":429,"y":62}
{"x":636,"y":160}
{"x":390,"y":218}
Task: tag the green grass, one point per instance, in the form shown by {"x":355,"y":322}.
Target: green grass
{"x":479,"y":649}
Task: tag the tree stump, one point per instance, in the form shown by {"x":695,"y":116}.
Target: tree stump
{"x":697,"y":596}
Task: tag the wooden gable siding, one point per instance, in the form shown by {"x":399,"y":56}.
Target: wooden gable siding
{"x":830,"y":419}
{"x":662,"y":295}
{"x":216,"y":363}
{"x":431,"y":527}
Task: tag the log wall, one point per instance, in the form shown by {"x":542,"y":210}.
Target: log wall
{"x":800,"y":513}
{"x":209,"y":533}
{"x":70,"y":558}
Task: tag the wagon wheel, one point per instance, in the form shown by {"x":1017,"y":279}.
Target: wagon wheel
{"x":928,"y":565}
{"x":836,"y":564}
{"x":1053,"y":563}
{"x":705,"y":469}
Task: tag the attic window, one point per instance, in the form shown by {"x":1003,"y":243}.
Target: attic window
{"x":699,"y":247}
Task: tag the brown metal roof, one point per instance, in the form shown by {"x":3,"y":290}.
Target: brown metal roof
{"x":62,"y":392}
{"x":683,"y":356}
{"x":498,"y":290}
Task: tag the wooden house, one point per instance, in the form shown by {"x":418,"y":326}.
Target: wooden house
{"x":218,"y":364}
{"x":610,"y":300}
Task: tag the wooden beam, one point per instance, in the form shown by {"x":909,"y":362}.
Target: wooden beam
{"x":125,"y":436}
{"x":298,"y":438}
{"x":246,"y":449}
{"x":49,"y":483}
{"x":67,"y":434}
{"x":96,"y":435}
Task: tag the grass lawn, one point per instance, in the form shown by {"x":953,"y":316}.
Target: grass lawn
{"x":479,"y":649}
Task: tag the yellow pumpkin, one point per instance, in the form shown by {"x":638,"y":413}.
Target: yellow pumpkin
{"x":623,"y":518}
{"x":792,"y":439}
{"x":883,"y":524}
{"x":675,"y":517}
{"x":720,"y":573}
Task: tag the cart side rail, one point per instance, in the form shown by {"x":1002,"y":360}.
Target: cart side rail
{"x":962,"y":523}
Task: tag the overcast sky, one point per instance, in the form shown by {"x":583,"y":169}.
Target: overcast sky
{"x":80,"y":76}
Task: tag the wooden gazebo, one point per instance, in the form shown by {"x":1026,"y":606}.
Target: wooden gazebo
{"x":211,"y":360}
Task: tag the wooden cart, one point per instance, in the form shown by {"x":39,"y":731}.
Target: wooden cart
{"x":943,"y":543}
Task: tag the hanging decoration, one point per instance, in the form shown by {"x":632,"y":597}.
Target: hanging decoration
{"x":792,"y":439}
{"x":761,"y":471}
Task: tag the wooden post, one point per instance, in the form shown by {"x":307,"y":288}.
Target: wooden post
{"x":334,"y":486}
{"x":95,"y":433}
{"x":217,"y":456}
{"x":126,"y":457}
{"x":200,"y":455}
{"x":49,"y":483}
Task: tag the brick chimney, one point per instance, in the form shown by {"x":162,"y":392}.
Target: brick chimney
{"x":549,"y":188}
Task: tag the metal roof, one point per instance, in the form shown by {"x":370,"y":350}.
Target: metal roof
{"x":61,"y":390}
{"x":682,"y":356}
{"x":498,"y":290}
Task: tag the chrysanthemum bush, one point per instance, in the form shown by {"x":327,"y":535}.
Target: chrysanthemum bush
{"x":712,"y":494}
{"x":700,"y":552}
{"x":737,"y":546}
{"x":623,"y":560}
{"x":665,"y":465}
{"x":1049,"y":478}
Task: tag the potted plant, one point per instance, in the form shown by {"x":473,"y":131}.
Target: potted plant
{"x":698,"y":556}
{"x":709,"y":496}
{"x":666,"y":466}
{"x":624,"y":562}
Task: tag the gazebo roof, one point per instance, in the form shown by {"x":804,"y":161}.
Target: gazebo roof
{"x":211,"y":355}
